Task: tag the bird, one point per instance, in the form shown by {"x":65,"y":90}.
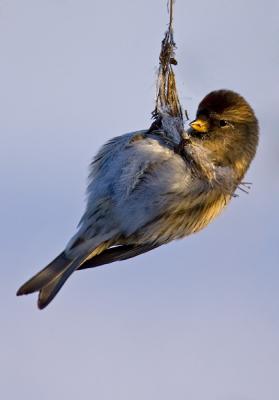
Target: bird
{"x":146,"y":190}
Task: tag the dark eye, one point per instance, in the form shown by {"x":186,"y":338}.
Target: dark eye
{"x":223,"y":123}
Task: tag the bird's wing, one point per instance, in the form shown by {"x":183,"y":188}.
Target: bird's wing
{"x":117,"y":253}
{"x":99,"y":222}
{"x":134,"y":178}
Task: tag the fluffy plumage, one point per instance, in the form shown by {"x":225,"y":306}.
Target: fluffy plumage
{"x":146,"y":190}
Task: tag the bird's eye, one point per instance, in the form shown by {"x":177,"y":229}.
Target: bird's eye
{"x":223,"y":123}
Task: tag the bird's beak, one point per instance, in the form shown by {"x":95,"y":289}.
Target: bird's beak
{"x":200,"y":125}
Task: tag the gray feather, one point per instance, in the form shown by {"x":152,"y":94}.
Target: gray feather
{"x":48,"y":292}
{"x":45,"y":276}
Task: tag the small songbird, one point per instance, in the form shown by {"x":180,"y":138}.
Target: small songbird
{"x":146,"y":190}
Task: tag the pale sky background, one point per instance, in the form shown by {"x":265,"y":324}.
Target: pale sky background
{"x":194,"y":320}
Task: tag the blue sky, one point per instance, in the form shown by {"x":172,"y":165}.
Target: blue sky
{"x":192,"y":320}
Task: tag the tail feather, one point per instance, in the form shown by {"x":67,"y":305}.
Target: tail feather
{"x":45,"y":276}
{"x":49,"y":281}
{"x":48,"y":292}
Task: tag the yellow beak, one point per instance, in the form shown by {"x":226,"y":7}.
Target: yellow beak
{"x":200,"y":125}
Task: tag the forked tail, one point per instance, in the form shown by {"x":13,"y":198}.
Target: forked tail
{"x":50,"y":280}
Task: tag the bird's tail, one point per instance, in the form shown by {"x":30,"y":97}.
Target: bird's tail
{"x":50,"y":280}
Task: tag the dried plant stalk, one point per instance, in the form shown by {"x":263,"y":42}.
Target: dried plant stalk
{"x":167,"y":100}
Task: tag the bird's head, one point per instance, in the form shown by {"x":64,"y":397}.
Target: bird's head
{"x":227,"y":127}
